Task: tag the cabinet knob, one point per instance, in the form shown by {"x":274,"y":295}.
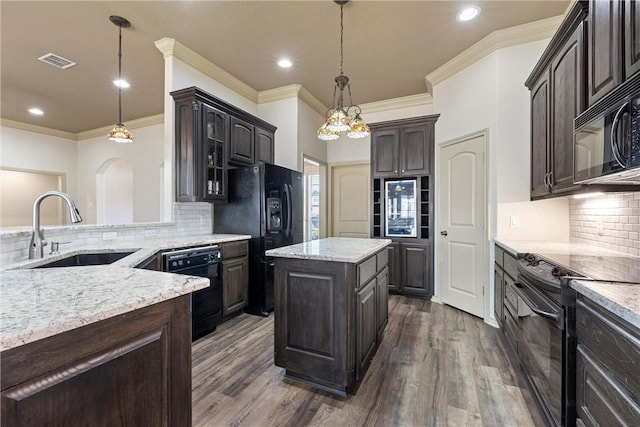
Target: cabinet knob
{"x":402,"y":170}
{"x":444,"y":233}
{"x":395,"y":171}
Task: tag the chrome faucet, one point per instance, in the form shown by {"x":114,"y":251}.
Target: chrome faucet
{"x":37,"y":238}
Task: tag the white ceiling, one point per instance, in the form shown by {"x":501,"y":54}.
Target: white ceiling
{"x":389,"y":48}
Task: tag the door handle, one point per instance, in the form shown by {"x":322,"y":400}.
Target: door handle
{"x":444,"y":233}
{"x":615,"y":147}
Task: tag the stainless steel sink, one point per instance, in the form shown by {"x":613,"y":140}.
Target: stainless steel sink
{"x":77,"y":260}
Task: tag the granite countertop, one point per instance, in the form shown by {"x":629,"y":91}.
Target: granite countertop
{"x":339,"y":249}
{"x":616,"y":276}
{"x":38,"y":303}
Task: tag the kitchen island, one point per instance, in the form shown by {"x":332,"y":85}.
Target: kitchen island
{"x":331,"y":308}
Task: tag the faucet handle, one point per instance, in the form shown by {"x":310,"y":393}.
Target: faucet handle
{"x":55,"y":246}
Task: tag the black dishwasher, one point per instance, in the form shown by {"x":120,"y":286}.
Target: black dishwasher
{"x":206,"y":304}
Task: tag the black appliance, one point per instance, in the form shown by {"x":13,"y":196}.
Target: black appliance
{"x":206,"y":304}
{"x":607,"y":138}
{"x":266,"y":202}
{"x":545,"y":309}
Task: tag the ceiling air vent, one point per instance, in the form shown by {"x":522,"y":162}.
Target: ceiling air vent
{"x":57,"y":61}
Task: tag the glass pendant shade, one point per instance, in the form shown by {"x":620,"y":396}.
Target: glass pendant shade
{"x":339,"y":121}
{"x":325,"y":134}
{"x":120,"y":134}
{"x":359,"y":128}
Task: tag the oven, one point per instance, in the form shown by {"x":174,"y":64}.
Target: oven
{"x":543,"y":335}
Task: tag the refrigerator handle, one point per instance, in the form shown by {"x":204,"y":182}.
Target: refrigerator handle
{"x":287,"y":194}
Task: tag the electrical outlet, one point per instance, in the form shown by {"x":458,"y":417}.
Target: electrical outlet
{"x":514,"y":221}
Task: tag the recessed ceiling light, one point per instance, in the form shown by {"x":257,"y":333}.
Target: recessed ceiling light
{"x":121,"y":83}
{"x":36,"y":111}
{"x":285,"y":63}
{"x":468,"y":13}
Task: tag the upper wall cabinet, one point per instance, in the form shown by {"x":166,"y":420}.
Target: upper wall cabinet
{"x":613,"y":46}
{"x":210,"y":136}
{"x":557,"y":97}
{"x":402,"y":148}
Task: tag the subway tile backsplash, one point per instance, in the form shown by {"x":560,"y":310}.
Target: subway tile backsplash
{"x":610,"y":221}
{"x":190,"y":219}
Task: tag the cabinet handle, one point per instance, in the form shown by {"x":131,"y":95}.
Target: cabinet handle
{"x":444,"y":233}
{"x":402,"y":170}
{"x":615,"y":150}
{"x":550,"y":178}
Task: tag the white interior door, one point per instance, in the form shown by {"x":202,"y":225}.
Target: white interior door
{"x":462,"y":224}
{"x":350,"y":200}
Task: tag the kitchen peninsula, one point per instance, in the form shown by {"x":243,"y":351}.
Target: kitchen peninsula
{"x":102,"y":344}
{"x":331,"y":308}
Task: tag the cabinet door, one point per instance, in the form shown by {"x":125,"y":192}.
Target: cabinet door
{"x":241,"y":144}
{"x":382,"y":300}
{"x":235,"y":281}
{"x":498,"y":292}
{"x":415,"y":146}
{"x":416,"y":269}
{"x":394,"y":266}
{"x":188,"y":187}
{"x":632,"y":38}
{"x":214,"y":140}
{"x":264,"y":146}
{"x":365,"y":326}
{"x":567,"y":101}
{"x":386,"y":147}
{"x":604,"y":48}
{"x":539,"y":136}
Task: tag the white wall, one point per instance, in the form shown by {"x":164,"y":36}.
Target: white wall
{"x":284,"y":115}
{"x":21,"y":149}
{"x":145,"y":155}
{"x":309,"y":121}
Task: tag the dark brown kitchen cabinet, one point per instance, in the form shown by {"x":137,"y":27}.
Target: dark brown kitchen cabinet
{"x":416,"y":269}
{"x":330,"y":318}
{"x":557,"y":97}
{"x":631,"y":37}
{"x":249,"y":144}
{"x":393,"y":251}
{"x":498,"y":295}
{"x":210,"y":135}
{"x":607,"y":366}
{"x":235,"y":276}
{"x":604,"y":48}
{"x":505,"y":301}
{"x":133,"y":369}
{"x":402,"y":147}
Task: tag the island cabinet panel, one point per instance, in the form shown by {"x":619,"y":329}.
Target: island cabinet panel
{"x":607,"y":366}
{"x":329,"y":319}
{"x":131,"y":370}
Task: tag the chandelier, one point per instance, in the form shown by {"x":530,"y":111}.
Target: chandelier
{"x":120,"y":133}
{"x":338,"y":119}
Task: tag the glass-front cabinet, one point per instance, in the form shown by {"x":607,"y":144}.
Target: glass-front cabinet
{"x":400,"y":197}
{"x":214,"y":139}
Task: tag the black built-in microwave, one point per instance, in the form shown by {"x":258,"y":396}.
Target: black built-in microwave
{"x":607,"y":138}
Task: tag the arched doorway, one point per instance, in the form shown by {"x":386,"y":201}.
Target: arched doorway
{"x":114,"y":192}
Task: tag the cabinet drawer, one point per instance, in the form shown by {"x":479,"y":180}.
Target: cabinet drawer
{"x":599,"y":399}
{"x":510,"y":296}
{"x":511,"y":331}
{"x":510,"y":266}
{"x":366,"y":270}
{"x":611,"y":344}
{"x":382,"y":259}
{"x":499,"y":253}
{"x":234,"y":249}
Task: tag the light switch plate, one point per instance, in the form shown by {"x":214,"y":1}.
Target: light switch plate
{"x":514,"y":221}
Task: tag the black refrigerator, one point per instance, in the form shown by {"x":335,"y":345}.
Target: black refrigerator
{"x":266,"y":202}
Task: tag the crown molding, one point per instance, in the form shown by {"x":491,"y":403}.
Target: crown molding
{"x":38,"y":129}
{"x":397,"y":103}
{"x":171,"y":47}
{"x":500,"y":39}
{"x":157,"y":119}
{"x":292,"y":91}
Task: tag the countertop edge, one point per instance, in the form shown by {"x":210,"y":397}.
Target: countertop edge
{"x":600,"y":298}
{"x":352,"y":259}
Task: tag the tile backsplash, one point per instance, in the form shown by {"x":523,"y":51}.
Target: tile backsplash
{"x":189,"y":219}
{"x":610,"y":221}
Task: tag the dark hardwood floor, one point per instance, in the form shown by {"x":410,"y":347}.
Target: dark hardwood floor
{"x":436,"y":366}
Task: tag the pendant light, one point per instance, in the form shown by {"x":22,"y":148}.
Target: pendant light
{"x":120,"y":133}
{"x":338,"y":119}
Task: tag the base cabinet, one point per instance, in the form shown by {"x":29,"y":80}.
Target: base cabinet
{"x":130,"y":370}
{"x":329,"y":319}
{"x":235,"y":277}
{"x":607,"y":367}
{"x":416,"y":269}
